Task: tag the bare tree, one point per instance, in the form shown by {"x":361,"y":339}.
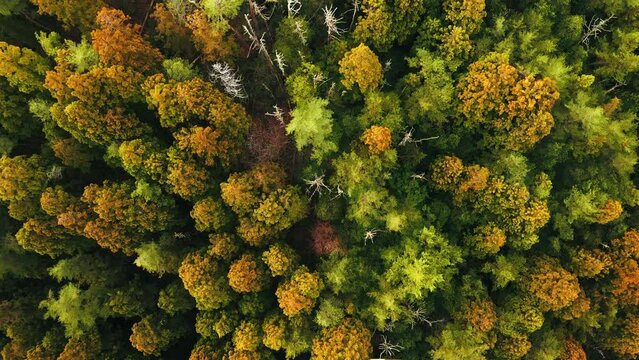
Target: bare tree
{"x":223,"y":74}
{"x":408,"y":138}
{"x":594,"y":28}
{"x":417,"y":315}
{"x":387,"y":348}
{"x":316,"y":186}
{"x":370,"y":235}
{"x":277,"y":114}
{"x":332,"y":22}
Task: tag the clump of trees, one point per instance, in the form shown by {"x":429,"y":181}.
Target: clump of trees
{"x":247,"y":179}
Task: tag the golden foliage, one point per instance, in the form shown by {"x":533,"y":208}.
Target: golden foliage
{"x":274,"y":330}
{"x":211,"y":39}
{"x":626,"y":283}
{"x":209,"y":214}
{"x":480,"y":314}
{"x":172,"y":31}
{"x":223,"y":246}
{"x":204,"y":278}
{"x":361,"y":66}
{"x":21,"y":177}
{"x":573,"y":351}
{"x":552,"y":285}
{"x":22,"y":67}
{"x":446,"y":171}
{"x":625,"y":342}
{"x":118,"y":42}
{"x":72,"y":13}
{"x":349,"y":340}
{"x":247,"y":275}
{"x":468,"y":14}
{"x":377,"y":138}
{"x":590,"y":263}
{"x":576,"y":309}
{"x":299,"y":294}
{"x":280,"y":259}
{"x":246,"y":336}
{"x":514,"y":106}
{"x":488,"y":239}
{"x":609,"y":212}
{"x":512,"y":348}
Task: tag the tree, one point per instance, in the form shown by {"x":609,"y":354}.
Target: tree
{"x":209,"y":215}
{"x":457,"y":342}
{"x":22,"y":67}
{"x":433,"y":91}
{"x":21,"y":177}
{"x":377,"y":138}
{"x":210,"y":38}
{"x":172,"y":29}
{"x":312,"y":124}
{"x":298,"y":294}
{"x":553,"y":286}
{"x":77,"y":309}
{"x":417,"y":266}
{"x":386,"y":22}
{"x":350,"y":339}
{"x":281,"y":259}
{"x":517,"y":108}
{"x":325,"y":239}
{"x":361,"y":66}
{"x":155,"y":333}
{"x":205,"y":279}
{"x":264,"y":203}
{"x":247,"y":274}
{"x":119,"y":43}
{"x":73,"y":14}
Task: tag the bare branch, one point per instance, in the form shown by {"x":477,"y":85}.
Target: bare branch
{"x":616,"y":86}
{"x":279,"y":60}
{"x":594,"y":28}
{"x":223,"y":74}
{"x":316,"y":186}
{"x":387,"y":348}
{"x":300,"y":31}
{"x":294,"y":7}
{"x":408,"y":138}
{"x":277,"y":114}
{"x":370,"y":235}
{"x":332,"y":22}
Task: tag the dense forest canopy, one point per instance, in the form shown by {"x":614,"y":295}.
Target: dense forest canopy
{"x":319,"y":179}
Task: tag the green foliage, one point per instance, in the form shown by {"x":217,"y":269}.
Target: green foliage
{"x":312,"y":125}
{"x":432,"y":91}
{"x":78,"y":310}
{"x":422,"y":264}
{"x":82,"y":55}
{"x":178,"y":69}
{"x":222,"y":9}
{"x":456,"y":342}
{"x":365,"y":179}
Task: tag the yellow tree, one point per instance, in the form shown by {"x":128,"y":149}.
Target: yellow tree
{"x":512,"y":106}
{"x":360,"y":66}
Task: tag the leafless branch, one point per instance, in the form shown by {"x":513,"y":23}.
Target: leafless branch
{"x":387,"y":348}
{"x":294,"y":7}
{"x":332,"y":22}
{"x":316,"y":186}
{"x":408,"y":138}
{"x":227,"y":77}
{"x":594,"y":28}
{"x":277,"y":114}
